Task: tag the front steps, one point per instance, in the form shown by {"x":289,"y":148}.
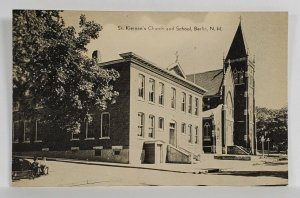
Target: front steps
{"x":233,"y":157}
{"x":237,"y":150}
{"x":176,"y":155}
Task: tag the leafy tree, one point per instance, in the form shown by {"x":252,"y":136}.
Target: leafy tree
{"x":273,"y":124}
{"x":51,"y":69}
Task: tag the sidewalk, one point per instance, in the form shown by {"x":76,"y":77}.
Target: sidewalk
{"x":169,"y":167}
{"x":206,"y":165}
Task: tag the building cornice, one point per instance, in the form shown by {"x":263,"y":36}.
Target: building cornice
{"x":138,"y":60}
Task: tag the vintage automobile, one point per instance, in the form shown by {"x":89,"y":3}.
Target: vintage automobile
{"x":21,"y":169}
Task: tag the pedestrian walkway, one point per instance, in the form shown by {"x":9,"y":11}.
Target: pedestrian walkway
{"x":207,"y":164}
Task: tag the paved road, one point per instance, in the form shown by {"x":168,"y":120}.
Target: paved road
{"x":234,"y":173}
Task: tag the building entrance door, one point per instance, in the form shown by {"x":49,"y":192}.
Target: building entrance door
{"x":172,"y":134}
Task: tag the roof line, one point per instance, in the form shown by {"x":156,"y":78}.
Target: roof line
{"x":204,"y":72}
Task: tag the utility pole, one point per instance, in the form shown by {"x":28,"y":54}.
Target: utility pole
{"x":268,"y":140}
{"x":263,"y":146}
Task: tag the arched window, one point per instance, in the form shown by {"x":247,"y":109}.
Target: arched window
{"x":206,"y":129}
{"x":229,"y":103}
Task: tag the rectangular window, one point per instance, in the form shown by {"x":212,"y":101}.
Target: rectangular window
{"x":18,"y":130}
{"x":196,"y":106}
{"x":151,"y":126}
{"x":151,"y":90}
{"x":161,"y":123}
{"x":190,"y":104}
{"x":93,"y":127}
{"x":98,"y":152}
{"x":190,"y":133}
{"x":173,"y":98}
{"x":75,"y":136}
{"x":183,"y":102}
{"x":196,"y":135}
{"x":39,"y":127}
{"x":105,"y":124}
{"x":28,"y":129}
{"x":141,"y":123}
{"x":183,"y":128}
{"x":161,"y":90}
{"x":89,"y":130}
{"x":141,"y":89}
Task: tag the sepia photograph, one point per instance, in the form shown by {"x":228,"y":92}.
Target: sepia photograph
{"x":119,"y":98}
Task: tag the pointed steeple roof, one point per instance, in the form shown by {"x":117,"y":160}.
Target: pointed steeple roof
{"x":238,"y":46}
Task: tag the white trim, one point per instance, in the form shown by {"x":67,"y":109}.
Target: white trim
{"x":45,"y":149}
{"x":98,"y":147}
{"x":104,"y":138}
{"x":91,"y":138}
{"x":117,"y":147}
{"x":75,"y":148}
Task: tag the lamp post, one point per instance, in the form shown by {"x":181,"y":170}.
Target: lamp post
{"x":268,"y":140}
{"x":263,"y":146}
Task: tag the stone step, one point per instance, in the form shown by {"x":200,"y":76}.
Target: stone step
{"x":233,"y":157}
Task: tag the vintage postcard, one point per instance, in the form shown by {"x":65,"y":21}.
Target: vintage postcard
{"x":149,"y":98}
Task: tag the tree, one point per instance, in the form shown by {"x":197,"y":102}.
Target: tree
{"x":273,"y":124}
{"x":51,"y":69}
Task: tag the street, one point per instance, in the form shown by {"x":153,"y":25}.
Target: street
{"x":233,"y":173}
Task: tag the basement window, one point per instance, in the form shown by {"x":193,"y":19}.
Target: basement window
{"x":117,"y":152}
{"x":98,"y":152}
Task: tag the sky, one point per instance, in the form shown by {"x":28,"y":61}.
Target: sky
{"x":265,"y":34}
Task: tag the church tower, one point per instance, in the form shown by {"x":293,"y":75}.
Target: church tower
{"x":243,"y":69}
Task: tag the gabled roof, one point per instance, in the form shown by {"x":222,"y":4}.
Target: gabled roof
{"x":211,"y":81}
{"x":238,"y":47}
{"x":175,"y":68}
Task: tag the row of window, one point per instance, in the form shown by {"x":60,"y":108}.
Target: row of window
{"x":99,"y":127}
{"x":193,"y":134}
{"x":161,"y":96}
{"x":25,"y":131}
{"x":238,"y":76}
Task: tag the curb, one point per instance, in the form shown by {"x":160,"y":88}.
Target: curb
{"x":203,"y":171}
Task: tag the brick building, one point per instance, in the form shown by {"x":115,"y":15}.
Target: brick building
{"x":161,"y":115}
{"x":156,"y":119}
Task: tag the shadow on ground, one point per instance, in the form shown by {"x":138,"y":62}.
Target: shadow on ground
{"x":275,"y":164}
{"x":280,"y":174}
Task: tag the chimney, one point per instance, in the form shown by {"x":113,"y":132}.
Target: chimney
{"x":96,"y":55}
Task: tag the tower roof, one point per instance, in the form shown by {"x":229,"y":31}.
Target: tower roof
{"x":238,"y":46}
